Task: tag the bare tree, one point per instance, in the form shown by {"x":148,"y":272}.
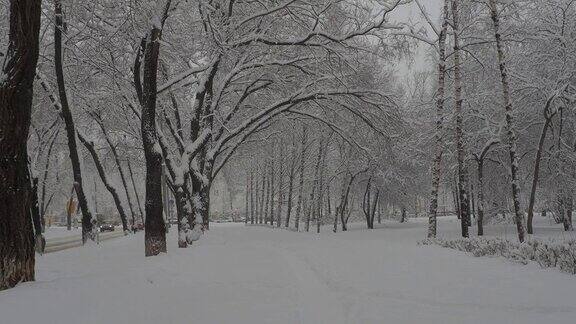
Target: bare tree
{"x":511,"y":133}
{"x":66,"y":113}
{"x":461,"y":154}
{"x":440,"y":94}
{"x":155,"y":230}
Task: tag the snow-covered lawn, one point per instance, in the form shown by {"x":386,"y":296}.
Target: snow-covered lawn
{"x":253,"y":274}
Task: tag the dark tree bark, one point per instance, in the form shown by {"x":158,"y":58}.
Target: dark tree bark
{"x":472,"y":204}
{"x":369,"y":205}
{"x":536,"y":174}
{"x":16,"y":93}
{"x":366,"y":204}
{"x":155,"y":230}
{"x":69,"y":121}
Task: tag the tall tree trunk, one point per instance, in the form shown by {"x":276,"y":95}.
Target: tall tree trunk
{"x":16,"y":93}
{"x":69,"y":121}
{"x":90,"y":147}
{"x":481,"y":203}
{"x":253,"y":198}
{"x":272,"y":193}
{"x":155,"y":229}
{"x":455,"y":199}
{"x":291,"y":183}
{"x":536,"y":174}
{"x":462,"y":173}
{"x":343,"y":207}
{"x":336,"y":215}
{"x":509,"y":122}
{"x":472,"y":205}
{"x":258,"y":194}
{"x":438,"y":136}
{"x":264,"y":195}
{"x":374,"y":205}
{"x":565,"y":209}
{"x":303,"y":144}
{"x":246,"y":209}
{"x":314,"y":189}
{"x":268,"y":195}
{"x":280,"y":189}
{"x":379,"y":210}
{"x":366,"y":203}
{"x":568,"y":220}
{"x":321,"y":188}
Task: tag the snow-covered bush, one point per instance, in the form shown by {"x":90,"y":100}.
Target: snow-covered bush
{"x":561,"y":255}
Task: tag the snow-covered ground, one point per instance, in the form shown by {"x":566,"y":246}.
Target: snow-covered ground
{"x":253,"y":274}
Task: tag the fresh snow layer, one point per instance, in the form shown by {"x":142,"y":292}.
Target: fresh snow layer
{"x":252,"y":274}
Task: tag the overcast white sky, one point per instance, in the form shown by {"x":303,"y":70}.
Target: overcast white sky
{"x":411,"y":13}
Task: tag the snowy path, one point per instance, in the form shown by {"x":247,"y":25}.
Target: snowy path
{"x":240,"y":274}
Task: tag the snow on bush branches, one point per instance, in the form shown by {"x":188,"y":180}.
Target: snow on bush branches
{"x":550,"y":254}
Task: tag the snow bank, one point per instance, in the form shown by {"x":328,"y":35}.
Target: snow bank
{"x":551,"y":254}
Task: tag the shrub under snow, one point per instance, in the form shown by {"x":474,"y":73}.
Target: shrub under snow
{"x":550,"y":254}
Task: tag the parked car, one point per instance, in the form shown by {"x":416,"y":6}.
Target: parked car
{"x":107,"y":228}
